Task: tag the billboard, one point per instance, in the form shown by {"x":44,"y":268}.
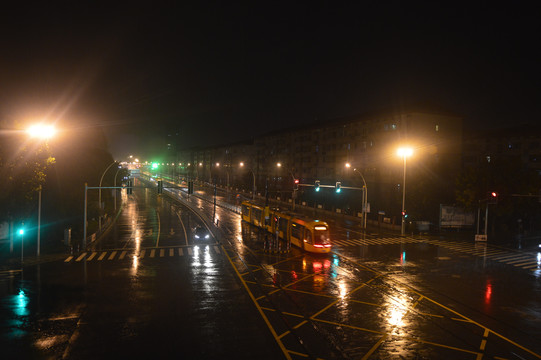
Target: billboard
{"x":452,"y":216}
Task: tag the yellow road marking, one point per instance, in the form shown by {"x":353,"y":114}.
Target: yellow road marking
{"x":92,"y":256}
{"x":68,"y":259}
{"x":152,"y":253}
{"x":171,"y":252}
{"x":122,"y":255}
{"x":261,"y":312}
{"x":111,"y":257}
{"x":102,"y":256}
{"x":81,"y":257}
{"x":376,"y":345}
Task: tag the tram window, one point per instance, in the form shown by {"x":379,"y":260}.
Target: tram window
{"x":297,"y":230}
{"x":308,"y":237}
{"x":322,"y":237}
{"x":256,"y":214}
{"x":245,"y":210}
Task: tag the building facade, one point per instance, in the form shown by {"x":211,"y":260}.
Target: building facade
{"x":320,"y":152}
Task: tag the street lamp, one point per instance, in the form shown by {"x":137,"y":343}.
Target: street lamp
{"x":43,"y":132}
{"x":365,"y":195}
{"x":295,"y":184}
{"x":404,"y":152}
{"x":99,"y":191}
{"x":21,"y":232}
{"x":253,"y":175}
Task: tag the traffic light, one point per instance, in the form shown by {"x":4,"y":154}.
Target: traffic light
{"x":404,"y":214}
{"x":160,"y":186}
{"x":129,"y":189}
{"x":317,"y":187}
{"x":21,"y":231}
{"x":296,"y":181}
{"x":493,"y":197}
{"x":154,"y":166}
{"x":338,"y":187}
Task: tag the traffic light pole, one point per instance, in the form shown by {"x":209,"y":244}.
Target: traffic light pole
{"x":86,"y":202}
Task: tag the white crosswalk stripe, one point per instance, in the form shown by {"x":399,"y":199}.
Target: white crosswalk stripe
{"x":523,"y":260}
{"x":127,"y":254}
{"x":376,"y":241}
{"x":515,"y":258}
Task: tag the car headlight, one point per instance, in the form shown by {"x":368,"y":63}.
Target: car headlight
{"x":196,"y":236}
{"x":207,"y":236}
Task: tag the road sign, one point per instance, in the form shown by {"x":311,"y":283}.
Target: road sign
{"x":479,"y":237}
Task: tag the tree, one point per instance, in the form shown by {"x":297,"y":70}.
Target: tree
{"x":23,"y":166}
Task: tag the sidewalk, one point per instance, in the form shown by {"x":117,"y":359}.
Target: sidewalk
{"x":10,"y":261}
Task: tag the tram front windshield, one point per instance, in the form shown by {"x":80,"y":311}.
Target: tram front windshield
{"x":321,"y":235}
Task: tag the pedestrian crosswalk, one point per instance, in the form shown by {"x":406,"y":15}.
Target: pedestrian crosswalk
{"x":525,"y":260}
{"x":377,"y":241}
{"x":148,"y":253}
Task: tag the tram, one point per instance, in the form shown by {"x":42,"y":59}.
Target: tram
{"x":308,"y":234}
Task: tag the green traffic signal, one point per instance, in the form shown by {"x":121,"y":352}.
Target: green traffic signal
{"x":21,"y":231}
{"x":154,"y":165}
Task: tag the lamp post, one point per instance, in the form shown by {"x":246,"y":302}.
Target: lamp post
{"x":21,"y":232}
{"x":404,"y":152}
{"x":365,"y":195}
{"x":99,"y":195}
{"x":253,"y":176}
{"x":114,"y":184}
{"x":43,"y":132}
{"x":294,"y":193}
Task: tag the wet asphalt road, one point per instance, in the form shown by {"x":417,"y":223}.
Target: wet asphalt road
{"x":156,"y":292}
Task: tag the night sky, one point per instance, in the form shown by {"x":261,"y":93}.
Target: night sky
{"x":219,"y":72}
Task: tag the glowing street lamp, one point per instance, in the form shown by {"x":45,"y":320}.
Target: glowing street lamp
{"x":365,"y":195}
{"x":295,"y":184}
{"x":43,"y":132}
{"x":253,"y":176}
{"x":404,"y":152}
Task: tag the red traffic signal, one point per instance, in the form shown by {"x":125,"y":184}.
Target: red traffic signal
{"x":296,"y":181}
{"x":494,"y":194}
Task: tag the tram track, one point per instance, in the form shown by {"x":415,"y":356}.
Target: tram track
{"x":454,"y":329}
{"x":291,"y":328}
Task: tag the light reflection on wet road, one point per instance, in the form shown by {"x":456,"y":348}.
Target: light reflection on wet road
{"x":380,"y":299}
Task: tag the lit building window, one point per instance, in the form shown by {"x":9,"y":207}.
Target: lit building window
{"x":488,"y":158}
{"x":437,"y":127}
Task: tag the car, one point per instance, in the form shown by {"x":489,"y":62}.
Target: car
{"x":201,"y":233}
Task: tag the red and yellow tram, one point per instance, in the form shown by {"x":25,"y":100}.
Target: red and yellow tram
{"x":308,"y":234}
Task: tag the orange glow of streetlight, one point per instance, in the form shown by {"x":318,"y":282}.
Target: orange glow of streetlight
{"x":404,"y":151}
{"x":41,"y":131}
